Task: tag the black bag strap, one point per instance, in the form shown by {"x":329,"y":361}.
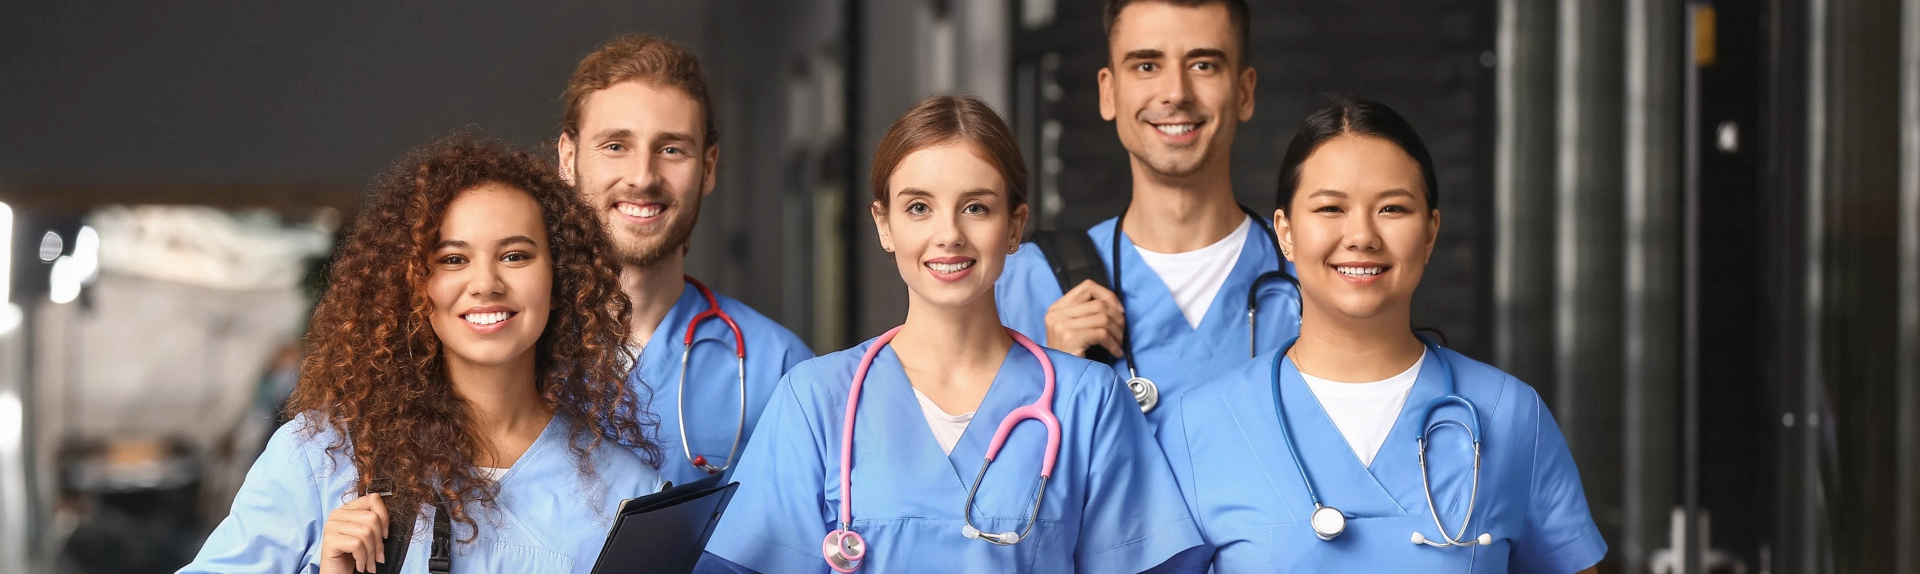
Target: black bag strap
{"x":1071,"y":254}
{"x":440,"y":558}
{"x":1073,"y":257}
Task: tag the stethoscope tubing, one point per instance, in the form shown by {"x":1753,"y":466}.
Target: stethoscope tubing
{"x":1449,"y":396}
{"x":686,"y":354}
{"x":850,"y":546}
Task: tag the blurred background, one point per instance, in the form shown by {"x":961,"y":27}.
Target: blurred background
{"x":1693,"y":226}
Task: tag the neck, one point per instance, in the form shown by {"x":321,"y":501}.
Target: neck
{"x":1170,"y":215}
{"x":503,"y":401}
{"x":653,"y":289}
{"x":1356,"y":350}
{"x":960,"y":341}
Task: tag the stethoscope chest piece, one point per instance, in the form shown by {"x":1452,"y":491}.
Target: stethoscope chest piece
{"x":1144,"y":392}
{"x":844,"y":550}
{"x":1328,"y":522}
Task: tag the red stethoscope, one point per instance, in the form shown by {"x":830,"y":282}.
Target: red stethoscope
{"x":739,"y":351}
{"x":845,"y":549}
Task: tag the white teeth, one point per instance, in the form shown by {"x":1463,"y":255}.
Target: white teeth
{"x":638,"y":211}
{"x":950,"y":267}
{"x":1360,"y":271}
{"x":1175,"y":129}
{"x":486,"y":318}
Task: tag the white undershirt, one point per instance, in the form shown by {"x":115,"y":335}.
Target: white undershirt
{"x":492,"y":473}
{"x":1365,"y":412}
{"x":1195,"y":276}
{"x":946,"y":428}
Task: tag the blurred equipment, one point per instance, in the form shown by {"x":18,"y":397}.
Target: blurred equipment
{"x":146,"y":381}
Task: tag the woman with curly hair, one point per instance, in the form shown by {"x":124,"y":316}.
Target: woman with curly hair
{"x":467,"y":355}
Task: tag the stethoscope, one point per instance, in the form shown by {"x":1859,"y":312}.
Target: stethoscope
{"x":845,"y":549}
{"x":739,"y":351}
{"x":1145,"y":391}
{"x":1328,"y":522}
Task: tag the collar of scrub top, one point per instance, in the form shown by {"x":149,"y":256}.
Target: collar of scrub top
{"x":1145,"y":392}
{"x":845,"y":549}
{"x":739,"y":352}
{"x":1328,"y":522}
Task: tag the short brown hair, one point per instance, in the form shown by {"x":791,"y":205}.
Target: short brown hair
{"x":649,"y":59}
{"x":945,"y":119}
{"x":1237,"y":13}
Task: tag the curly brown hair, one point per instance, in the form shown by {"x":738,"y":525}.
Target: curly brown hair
{"x":375,"y":373}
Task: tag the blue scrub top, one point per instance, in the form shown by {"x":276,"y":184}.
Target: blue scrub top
{"x":1171,"y":352}
{"x":547,"y":518}
{"x":1110,"y":506}
{"x":1235,"y":471}
{"x":713,"y":383}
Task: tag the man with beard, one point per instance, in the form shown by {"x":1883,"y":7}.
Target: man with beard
{"x":1186,"y":268}
{"x":639,"y":141}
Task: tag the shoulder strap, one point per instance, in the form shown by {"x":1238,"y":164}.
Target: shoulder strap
{"x":1074,"y":258}
{"x":440,"y":558}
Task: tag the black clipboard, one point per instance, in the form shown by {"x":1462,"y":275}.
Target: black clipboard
{"x":666,"y":531}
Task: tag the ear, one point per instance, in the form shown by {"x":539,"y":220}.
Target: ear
{"x":1283,"y":231}
{"x":568,"y":150}
{"x":881,"y":226}
{"x":1019,"y":225}
{"x":1107,"y":109}
{"x":712,"y":167}
{"x":1433,"y":233}
{"x":1247,"y":81}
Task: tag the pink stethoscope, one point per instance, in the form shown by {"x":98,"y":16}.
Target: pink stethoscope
{"x":739,"y":351}
{"x":845,"y":549}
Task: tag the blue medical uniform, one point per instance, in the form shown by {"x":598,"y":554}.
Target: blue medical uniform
{"x":1170,"y":352}
{"x":547,"y":519}
{"x":1235,"y":471}
{"x":1110,"y":505}
{"x":713,"y":384}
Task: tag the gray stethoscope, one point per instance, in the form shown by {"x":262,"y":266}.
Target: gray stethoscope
{"x":739,"y":351}
{"x":1145,"y":392}
{"x":1328,"y":522}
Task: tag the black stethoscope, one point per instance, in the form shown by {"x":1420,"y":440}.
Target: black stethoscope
{"x":739,"y":352}
{"x":1328,"y":522}
{"x":1145,"y":392}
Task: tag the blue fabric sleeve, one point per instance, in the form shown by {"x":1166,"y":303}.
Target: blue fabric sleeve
{"x":1561,"y":536}
{"x":1133,"y":521}
{"x":778,"y":516}
{"x":276,"y":516}
{"x":1025,"y":290}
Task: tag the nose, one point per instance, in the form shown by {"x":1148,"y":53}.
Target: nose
{"x":640,"y":172}
{"x":1361,"y":235}
{"x":1176,"y":88}
{"x":946,"y":231}
{"x":486,"y":280}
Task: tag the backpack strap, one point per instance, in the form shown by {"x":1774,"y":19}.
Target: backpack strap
{"x":1072,"y":256}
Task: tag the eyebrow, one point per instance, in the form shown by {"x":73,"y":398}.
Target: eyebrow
{"x":1198,"y":53}
{"x":1143,"y":54}
{"x":613,"y":133}
{"x":674,"y":137}
{"x":1337,"y":194}
{"x":504,"y":241}
{"x":975,"y":192}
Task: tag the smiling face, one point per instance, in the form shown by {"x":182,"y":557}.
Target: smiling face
{"x":1177,"y":89}
{"x":641,"y":160}
{"x":491,"y":278}
{"x":949,"y":225}
{"x":1359,"y":230}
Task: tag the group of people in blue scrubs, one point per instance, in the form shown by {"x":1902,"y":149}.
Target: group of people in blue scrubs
{"x":509,"y":347}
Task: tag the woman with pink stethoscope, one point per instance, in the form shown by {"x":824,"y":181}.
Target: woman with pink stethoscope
{"x":868,"y":459}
